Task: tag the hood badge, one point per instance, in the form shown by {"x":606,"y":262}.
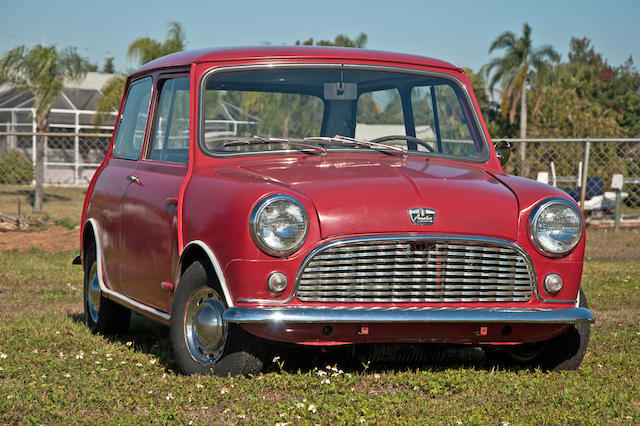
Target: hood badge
{"x":422,"y":216}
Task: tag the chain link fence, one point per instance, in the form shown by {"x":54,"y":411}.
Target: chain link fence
{"x":571,"y":164}
{"x":71,"y":158}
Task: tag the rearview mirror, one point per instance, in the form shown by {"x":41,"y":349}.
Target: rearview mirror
{"x":503,"y":151}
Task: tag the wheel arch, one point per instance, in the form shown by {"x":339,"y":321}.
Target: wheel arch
{"x":199,"y":250}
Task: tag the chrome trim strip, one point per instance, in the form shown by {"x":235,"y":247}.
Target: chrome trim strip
{"x":402,"y":238}
{"x":113,"y":294}
{"x":327,"y":315}
{"x":216,"y":266}
{"x":337,"y":65}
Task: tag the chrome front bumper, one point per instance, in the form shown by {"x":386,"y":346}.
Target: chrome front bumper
{"x":328,"y":315}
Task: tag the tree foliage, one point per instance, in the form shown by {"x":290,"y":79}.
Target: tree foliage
{"x":41,"y":71}
{"x":341,"y":40}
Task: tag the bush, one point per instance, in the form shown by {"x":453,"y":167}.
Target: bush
{"x":15,"y":168}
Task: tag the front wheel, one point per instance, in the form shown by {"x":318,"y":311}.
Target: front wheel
{"x":202,"y":342}
{"x":563,"y":352}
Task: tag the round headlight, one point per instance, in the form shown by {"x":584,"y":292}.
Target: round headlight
{"x":279,"y":224}
{"x":556,"y":226}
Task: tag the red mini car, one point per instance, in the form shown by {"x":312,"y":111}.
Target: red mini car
{"x":324,"y":196}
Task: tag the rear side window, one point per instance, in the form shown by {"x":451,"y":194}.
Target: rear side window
{"x":171,"y":131}
{"x":133,"y":121}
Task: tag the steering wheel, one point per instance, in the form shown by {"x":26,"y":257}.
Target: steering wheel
{"x":405,"y":137}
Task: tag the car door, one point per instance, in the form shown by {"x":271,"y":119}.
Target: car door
{"x":149,"y":218}
{"x":114,"y":184}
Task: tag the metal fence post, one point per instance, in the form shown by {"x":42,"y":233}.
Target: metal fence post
{"x":76,"y":151}
{"x":33,"y":144}
{"x":585,"y":172}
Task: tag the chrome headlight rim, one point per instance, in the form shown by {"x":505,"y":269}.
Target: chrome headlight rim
{"x":533,"y":220}
{"x":255,"y":216}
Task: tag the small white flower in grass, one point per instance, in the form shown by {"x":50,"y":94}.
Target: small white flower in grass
{"x":169,"y":397}
{"x":57,"y":332}
{"x":164,"y":375}
{"x":224,"y":390}
{"x":326,"y":381}
{"x":629,"y":417}
{"x":233,"y":386}
{"x":362,"y":419}
{"x":9,"y":396}
{"x":321,"y":373}
{"x":312,"y":408}
{"x":241,"y":416}
{"x":226,"y":410}
{"x":150,"y":392}
{"x":1,"y":368}
{"x":103,"y":369}
{"x":275,"y":359}
{"x":505,"y":423}
{"x":44,"y":376}
{"x":153,"y":361}
{"x":458,"y":422}
{"x":300,"y":405}
{"x":283,"y":414}
{"x":376,"y":376}
{"x":138,"y":364}
{"x":61,"y":355}
{"x":94,"y":353}
{"x":199,"y":385}
{"x":123,"y":362}
{"x":328,"y":367}
{"x":67,"y":375}
{"x":129,"y":343}
{"x":97,"y":362}
{"x":35,"y":351}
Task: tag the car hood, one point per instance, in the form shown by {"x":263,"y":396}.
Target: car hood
{"x":365,"y":195}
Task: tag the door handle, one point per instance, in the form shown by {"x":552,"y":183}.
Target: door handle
{"x":134,"y":179}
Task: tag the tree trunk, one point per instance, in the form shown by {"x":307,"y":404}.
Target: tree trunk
{"x":42,"y":125}
{"x":523,"y":130}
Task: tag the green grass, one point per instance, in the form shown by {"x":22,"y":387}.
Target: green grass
{"x":56,"y":371}
{"x":62,"y":205}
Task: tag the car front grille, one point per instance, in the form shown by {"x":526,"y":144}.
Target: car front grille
{"x":416,"y":270}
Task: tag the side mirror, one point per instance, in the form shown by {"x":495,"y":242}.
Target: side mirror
{"x":503,"y":151}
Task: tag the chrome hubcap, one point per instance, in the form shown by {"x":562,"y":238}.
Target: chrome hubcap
{"x":205,"y":330}
{"x":93,"y":295}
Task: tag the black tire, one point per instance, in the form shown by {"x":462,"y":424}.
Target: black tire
{"x":566,"y":351}
{"x":101,"y":315}
{"x":202,"y":343}
{"x":563,"y":352}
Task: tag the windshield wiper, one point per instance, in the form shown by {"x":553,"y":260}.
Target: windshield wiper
{"x":255,"y":140}
{"x":344,"y":140}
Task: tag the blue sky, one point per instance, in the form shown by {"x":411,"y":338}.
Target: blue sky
{"x":459,"y":32}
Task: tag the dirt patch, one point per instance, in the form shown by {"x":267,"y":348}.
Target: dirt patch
{"x":51,"y":240}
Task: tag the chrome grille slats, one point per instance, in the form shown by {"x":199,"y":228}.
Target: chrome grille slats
{"x":420,"y":270}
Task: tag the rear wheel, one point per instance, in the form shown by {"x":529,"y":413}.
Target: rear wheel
{"x":203,"y":343}
{"x":101,"y":315}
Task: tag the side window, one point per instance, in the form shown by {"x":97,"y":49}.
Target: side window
{"x":171,"y":131}
{"x":133,"y":121}
{"x":445,"y":126}
{"x":379,"y":114}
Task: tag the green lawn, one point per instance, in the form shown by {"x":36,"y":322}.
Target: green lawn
{"x":60,"y":204}
{"x":52,"y":370}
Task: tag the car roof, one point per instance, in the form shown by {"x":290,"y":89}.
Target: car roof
{"x":289,"y":52}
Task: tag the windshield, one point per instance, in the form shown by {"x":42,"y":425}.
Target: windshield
{"x":276,"y":108}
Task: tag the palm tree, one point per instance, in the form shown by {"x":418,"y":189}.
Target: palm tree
{"x":41,"y":71}
{"x":514,"y":70}
{"x":145,"y":49}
